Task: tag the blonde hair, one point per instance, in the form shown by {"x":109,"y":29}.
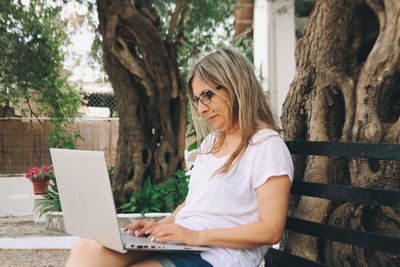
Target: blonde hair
{"x":248,"y":106}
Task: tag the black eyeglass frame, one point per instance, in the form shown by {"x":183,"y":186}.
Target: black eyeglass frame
{"x":205,"y":97}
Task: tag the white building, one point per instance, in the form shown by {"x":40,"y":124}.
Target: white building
{"x":274,"y":46}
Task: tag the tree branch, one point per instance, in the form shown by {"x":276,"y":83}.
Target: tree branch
{"x":195,"y":51}
{"x":149,"y":15}
{"x":148,"y":38}
{"x":182,"y":24}
{"x":174,"y":19}
{"x":120,"y":49}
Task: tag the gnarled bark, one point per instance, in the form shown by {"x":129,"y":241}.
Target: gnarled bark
{"x":149,"y":92}
{"x":346,"y":88}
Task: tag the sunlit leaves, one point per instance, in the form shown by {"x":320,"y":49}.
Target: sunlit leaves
{"x":31,"y":58}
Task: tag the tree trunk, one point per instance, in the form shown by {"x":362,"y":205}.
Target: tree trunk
{"x":149,"y":92}
{"x":346,"y":88}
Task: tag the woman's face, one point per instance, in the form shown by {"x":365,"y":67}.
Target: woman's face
{"x":217,"y":111}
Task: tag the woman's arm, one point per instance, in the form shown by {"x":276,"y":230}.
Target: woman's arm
{"x":139,"y":227}
{"x":272,"y":198}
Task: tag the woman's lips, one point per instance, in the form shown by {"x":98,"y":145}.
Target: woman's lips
{"x":210,"y":119}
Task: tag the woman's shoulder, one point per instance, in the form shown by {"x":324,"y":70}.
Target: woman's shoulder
{"x":267,"y":142}
{"x":263,"y":135}
{"x":207,"y":142}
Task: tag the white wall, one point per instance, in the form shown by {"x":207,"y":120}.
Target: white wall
{"x":274,"y":46}
{"x":15,"y":197}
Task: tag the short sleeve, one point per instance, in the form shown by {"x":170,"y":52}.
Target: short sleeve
{"x":270,"y":157}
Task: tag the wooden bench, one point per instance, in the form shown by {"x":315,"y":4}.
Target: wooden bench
{"x":344,"y":193}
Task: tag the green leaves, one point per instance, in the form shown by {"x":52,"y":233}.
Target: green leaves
{"x":59,"y":139}
{"x":208,"y":24}
{"x":156,"y":198}
{"x":32,"y":38}
{"x":52,"y":200}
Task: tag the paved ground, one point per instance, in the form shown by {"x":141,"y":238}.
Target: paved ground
{"x":33,"y":257}
{"x":25,"y":243}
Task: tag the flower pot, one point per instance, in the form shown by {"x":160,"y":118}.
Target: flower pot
{"x":40,"y":186}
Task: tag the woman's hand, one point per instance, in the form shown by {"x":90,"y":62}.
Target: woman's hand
{"x":139,"y":228}
{"x":173,"y":232}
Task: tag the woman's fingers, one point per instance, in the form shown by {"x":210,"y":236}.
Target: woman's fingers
{"x":170,"y":232}
{"x":165,"y":239}
{"x":161,"y":232}
{"x":135,"y":226}
{"x":180,"y":234}
{"x":147,"y":227}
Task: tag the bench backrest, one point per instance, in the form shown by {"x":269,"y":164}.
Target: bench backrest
{"x":375,"y":196}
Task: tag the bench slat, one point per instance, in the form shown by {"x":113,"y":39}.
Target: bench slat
{"x":358,"y":238}
{"x":375,"y":196}
{"x":347,"y":150}
{"x":278,"y":258}
{"x":360,"y":195}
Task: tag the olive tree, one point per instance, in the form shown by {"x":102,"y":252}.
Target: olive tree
{"x":146,"y":47}
{"x":346,"y":89}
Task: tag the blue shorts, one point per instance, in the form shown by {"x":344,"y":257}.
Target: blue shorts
{"x":180,"y":260}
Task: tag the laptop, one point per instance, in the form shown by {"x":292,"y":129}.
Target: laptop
{"x":88,"y":205}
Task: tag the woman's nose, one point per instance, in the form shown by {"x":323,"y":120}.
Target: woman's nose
{"x":202,"y":108}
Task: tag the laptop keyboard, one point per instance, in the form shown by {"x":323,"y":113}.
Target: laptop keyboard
{"x":139,"y":242}
{"x":131,"y":241}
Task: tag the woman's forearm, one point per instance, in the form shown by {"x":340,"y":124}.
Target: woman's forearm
{"x":245,"y":236}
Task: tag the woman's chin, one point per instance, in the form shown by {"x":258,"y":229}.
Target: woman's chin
{"x":219,"y":128}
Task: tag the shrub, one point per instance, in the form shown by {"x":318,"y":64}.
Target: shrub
{"x":156,"y":198}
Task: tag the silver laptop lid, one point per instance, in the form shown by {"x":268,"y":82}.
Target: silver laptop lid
{"x":86,"y":196}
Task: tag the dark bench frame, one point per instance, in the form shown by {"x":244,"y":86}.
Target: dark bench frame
{"x":363,"y":239}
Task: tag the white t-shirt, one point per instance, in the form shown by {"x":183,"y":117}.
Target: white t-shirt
{"x":229,"y":200}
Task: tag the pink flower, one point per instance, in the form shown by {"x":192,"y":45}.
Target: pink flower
{"x":43,"y":173}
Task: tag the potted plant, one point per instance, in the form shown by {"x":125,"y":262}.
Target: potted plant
{"x":40,"y":178}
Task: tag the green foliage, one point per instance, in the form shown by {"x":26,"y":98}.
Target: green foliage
{"x":192,"y":146}
{"x":59,"y":139}
{"x":208,"y":25}
{"x":31,"y":59}
{"x":156,"y":198}
{"x":52,"y":200}
{"x":303,"y":8}
{"x":111,"y":171}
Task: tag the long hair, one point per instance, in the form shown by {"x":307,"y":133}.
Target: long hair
{"x":248,"y":106}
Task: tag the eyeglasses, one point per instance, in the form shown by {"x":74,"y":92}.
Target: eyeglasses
{"x":205,"y":97}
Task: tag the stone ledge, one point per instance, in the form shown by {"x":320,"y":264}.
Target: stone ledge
{"x":55,"y":221}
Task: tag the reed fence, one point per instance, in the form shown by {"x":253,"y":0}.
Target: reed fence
{"x":23,"y":142}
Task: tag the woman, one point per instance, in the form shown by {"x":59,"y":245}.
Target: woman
{"x":239,"y":187}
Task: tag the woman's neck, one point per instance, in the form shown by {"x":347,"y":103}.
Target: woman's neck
{"x":232,"y":138}
{"x":229,"y":144}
